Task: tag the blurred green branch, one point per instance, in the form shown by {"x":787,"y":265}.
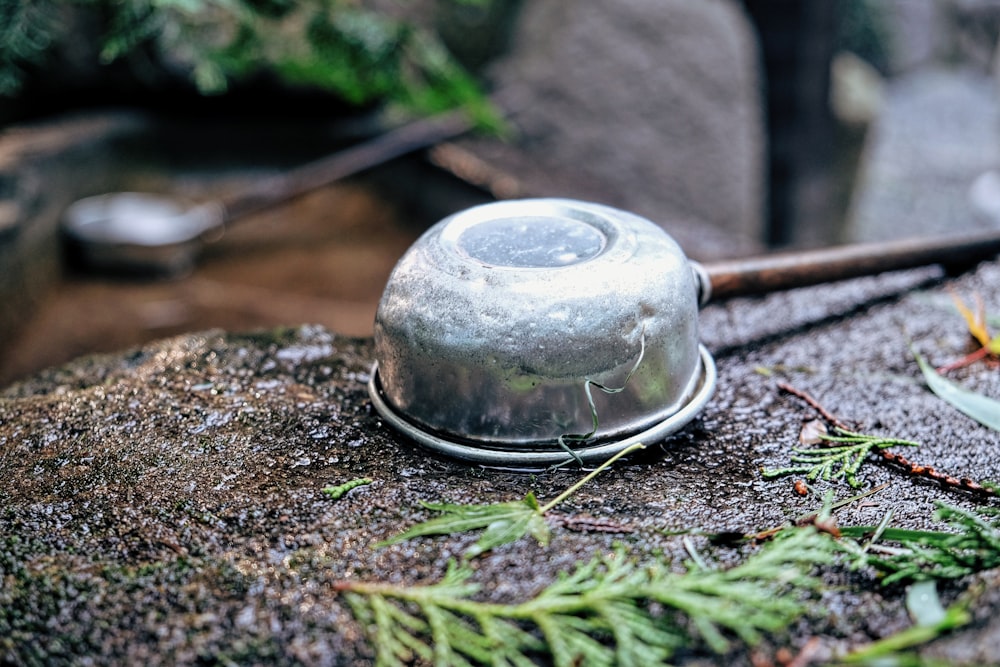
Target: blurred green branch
{"x":360,"y":54}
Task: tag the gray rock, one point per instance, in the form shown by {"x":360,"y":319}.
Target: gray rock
{"x":927,"y":34}
{"x":917,"y":32}
{"x":650,"y":106}
{"x":937,"y":133}
{"x":164,"y":504}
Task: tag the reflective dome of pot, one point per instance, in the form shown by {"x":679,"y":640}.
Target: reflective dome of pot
{"x":535,"y":331}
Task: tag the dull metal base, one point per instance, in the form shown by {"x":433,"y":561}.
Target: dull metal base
{"x":598,"y":452}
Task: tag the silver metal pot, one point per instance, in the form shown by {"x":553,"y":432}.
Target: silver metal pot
{"x":533,"y":332}
{"x":536,"y":331}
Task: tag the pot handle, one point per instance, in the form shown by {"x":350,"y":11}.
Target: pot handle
{"x":780,"y":271}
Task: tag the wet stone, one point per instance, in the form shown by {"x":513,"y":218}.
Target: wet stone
{"x":164,"y":505}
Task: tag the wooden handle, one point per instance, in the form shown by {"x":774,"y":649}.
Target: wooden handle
{"x":779,"y":271}
{"x":397,"y":142}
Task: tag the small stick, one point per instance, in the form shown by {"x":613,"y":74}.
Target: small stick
{"x":806,"y":655}
{"x":814,"y":404}
{"x":913,"y":469}
{"x":918,"y":470}
{"x":589,"y":524}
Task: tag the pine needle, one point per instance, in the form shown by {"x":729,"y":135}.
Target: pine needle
{"x":972,"y":546}
{"x":889,"y":649}
{"x":611,"y":610}
{"x":841,"y":458}
{"x":977,"y":323}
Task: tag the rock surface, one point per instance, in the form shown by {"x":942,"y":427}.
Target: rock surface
{"x":164,"y":506}
{"x":650,"y":106}
{"x":936,"y":137}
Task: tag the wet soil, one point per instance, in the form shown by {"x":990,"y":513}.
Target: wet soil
{"x":163,"y":504}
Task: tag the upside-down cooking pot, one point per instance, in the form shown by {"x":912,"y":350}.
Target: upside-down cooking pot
{"x":538,"y":331}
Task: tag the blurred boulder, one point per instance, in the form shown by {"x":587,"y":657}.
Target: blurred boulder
{"x":650,"y":105}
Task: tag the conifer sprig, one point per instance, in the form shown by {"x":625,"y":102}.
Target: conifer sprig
{"x":839,"y":457}
{"x":611,"y":610}
{"x":502,"y":523}
{"x":972,"y":546}
{"x":364,"y":55}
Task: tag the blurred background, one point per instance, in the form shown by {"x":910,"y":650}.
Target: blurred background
{"x":740,"y":126}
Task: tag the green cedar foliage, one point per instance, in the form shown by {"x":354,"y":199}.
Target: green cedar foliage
{"x":611,"y":610}
{"x":362,"y":55}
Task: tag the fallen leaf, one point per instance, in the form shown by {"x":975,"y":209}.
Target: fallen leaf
{"x":924,"y":605}
{"x":983,"y":409}
{"x":812,"y":432}
{"x":976,"y":322}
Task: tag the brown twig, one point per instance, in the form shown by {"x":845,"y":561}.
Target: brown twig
{"x":828,"y":416}
{"x":968,"y":359}
{"x":808,"y":654}
{"x":918,"y":470}
{"x":784,"y":657}
{"x":911,"y":468}
{"x":588,"y":524}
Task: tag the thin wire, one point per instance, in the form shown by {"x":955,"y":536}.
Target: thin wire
{"x":583,"y":437}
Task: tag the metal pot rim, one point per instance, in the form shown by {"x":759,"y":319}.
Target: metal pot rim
{"x":476,"y":452}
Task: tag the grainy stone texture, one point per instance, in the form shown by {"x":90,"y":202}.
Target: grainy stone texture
{"x":650,"y":106}
{"x":163,"y":505}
